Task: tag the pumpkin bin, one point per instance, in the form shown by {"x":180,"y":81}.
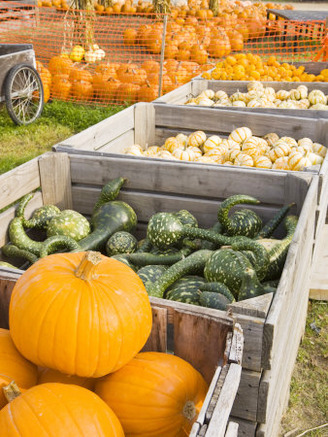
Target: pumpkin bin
{"x":85,"y":314}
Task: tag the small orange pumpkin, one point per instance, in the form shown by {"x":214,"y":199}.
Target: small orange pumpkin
{"x":60,"y":65}
{"x":58,"y":409}
{"x":61,"y":86}
{"x":13,"y":366}
{"x":155,"y":394}
{"x":148,"y":92}
{"x":82,"y":90}
{"x":78,"y":74}
{"x":84,"y":314}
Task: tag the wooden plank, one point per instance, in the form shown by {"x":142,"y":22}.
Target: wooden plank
{"x":176,"y":177}
{"x":177,"y":96}
{"x":144,"y":124}
{"x":56,"y":180}
{"x":218,"y":423}
{"x":237,"y":345}
{"x":195,"y":430}
{"x":6,"y":287}
{"x":256,"y":307}
{"x":115,"y":146}
{"x":9,"y":214}
{"x":17,"y":182}
{"x":193,"y":117}
{"x":149,"y":203}
{"x":319,"y":275}
{"x":209,"y":395}
{"x":246,"y":401}
{"x":190,"y":331}
{"x":157,"y":341}
{"x":103,"y":132}
{"x":253,"y":335}
{"x":232,"y":430}
{"x":297,"y":262}
{"x":246,"y":428}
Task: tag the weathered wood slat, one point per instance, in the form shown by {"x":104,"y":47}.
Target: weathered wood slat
{"x":246,"y":401}
{"x":222,"y":409}
{"x":319,"y":275}
{"x":144,"y":124}
{"x":18,"y":182}
{"x":246,"y":428}
{"x":187,"y":327}
{"x":157,"y":341}
{"x":232,"y":430}
{"x":56,"y":166}
{"x":255,"y":307}
{"x":202,"y":415}
{"x":101,"y":133}
{"x":6,"y":287}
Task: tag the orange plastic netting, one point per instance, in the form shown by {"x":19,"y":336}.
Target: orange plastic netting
{"x":99,"y":58}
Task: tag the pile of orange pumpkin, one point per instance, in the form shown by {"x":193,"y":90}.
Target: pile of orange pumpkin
{"x":113,"y":82}
{"x":248,"y":66}
{"x":77,"y":324}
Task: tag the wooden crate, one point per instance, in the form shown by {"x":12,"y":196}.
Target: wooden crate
{"x":272,"y":325}
{"x":191,"y":89}
{"x":151,"y":123}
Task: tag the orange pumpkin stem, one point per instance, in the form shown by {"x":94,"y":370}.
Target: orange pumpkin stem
{"x":87,"y":267}
{"x":11,"y":391}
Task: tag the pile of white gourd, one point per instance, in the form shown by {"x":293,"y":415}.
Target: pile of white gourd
{"x":241,"y":148}
{"x":259,"y":96}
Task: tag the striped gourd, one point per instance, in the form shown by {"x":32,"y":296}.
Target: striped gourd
{"x":211,"y":143}
{"x":135,"y":150}
{"x":228,"y":163}
{"x":210,"y":94}
{"x":262,"y":162}
{"x":297,"y":161}
{"x":238,"y":96}
{"x":220,"y":103}
{"x":164,"y":154}
{"x":287,"y":104}
{"x":254,"y":103}
{"x":282,"y":94}
{"x":205,"y":159}
{"x":221,"y":95}
{"x":252,"y":146}
{"x":240,"y":134}
{"x":217,"y":155}
{"x":151,"y":151}
{"x":239,"y":103}
{"x":271,"y":138}
{"x":244,"y":160}
{"x":317,"y":96}
{"x":303,"y":104}
{"x":232,"y":154}
{"x":303,"y":89}
{"x":197,"y":138}
{"x":319,"y":149}
{"x":319,"y":107}
{"x":196,"y":151}
{"x":184,"y":154}
{"x":171,"y":144}
{"x":282,"y":149}
{"x":314,"y":158}
{"x":255,"y":85}
{"x":182,"y":139}
{"x":269,"y":93}
{"x":281,"y":164}
{"x":306,"y":143}
{"x":289,"y":140}
{"x":204,"y":101}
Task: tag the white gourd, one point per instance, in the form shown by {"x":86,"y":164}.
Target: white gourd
{"x":282,"y":149}
{"x":255,"y":85}
{"x":282,"y":94}
{"x":319,"y":107}
{"x":182,"y":139}
{"x":211,"y":143}
{"x":184,"y":154}
{"x":271,"y":138}
{"x":244,"y":160}
{"x":221,"y":95}
{"x":303,"y":104}
{"x":296,"y":160}
{"x":210,"y":94}
{"x":239,"y":103}
{"x":171,"y":144}
{"x":228,"y":163}
{"x":196,"y":150}
{"x":197,"y":138}
{"x":165,"y":154}
{"x":314,"y":158}
{"x":262,"y":162}
{"x":289,"y":140}
{"x":251,"y":146}
{"x":319,"y":149}
{"x":281,"y":164}
{"x":240,"y":134}
{"x":205,"y":159}
{"x":317,"y":96}
{"x":151,"y":151}
{"x":204,"y":101}
{"x":134,"y":149}
{"x":254,"y":103}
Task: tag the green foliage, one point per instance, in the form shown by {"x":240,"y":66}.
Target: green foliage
{"x":59,"y":121}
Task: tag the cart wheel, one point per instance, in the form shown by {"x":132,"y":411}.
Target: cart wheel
{"x":23,"y":94}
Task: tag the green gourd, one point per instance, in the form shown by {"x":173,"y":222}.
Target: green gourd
{"x":69,"y":223}
{"x":150,"y":273}
{"x":121,"y":242}
{"x":109,"y":192}
{"x":251,"y":286}
{"x":217,"y":287}
{"x":12,"y":251}
{"x":244,"y":222}
{"x":272,"y":224}
{"x":213,"y":300}
{"x":40,"y":217}
{"x":165,"y":230}
{"x":145,"y":258}
{"x":5,"y":264}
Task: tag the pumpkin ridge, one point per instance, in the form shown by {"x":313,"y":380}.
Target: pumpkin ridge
{"x":66,"y":407}
{"x":77,"y":306}
{"x":13,"y":418}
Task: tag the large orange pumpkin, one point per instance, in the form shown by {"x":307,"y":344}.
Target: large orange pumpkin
{"x":80,"y":313}
{"x":82,"y":90}
{"x":61,"y":86}
{"x":60,"y":65}
{"x":50,"y":375}
{"x":154,"y":395}
{"x":58,"y":410}
{"x":14,"y":366}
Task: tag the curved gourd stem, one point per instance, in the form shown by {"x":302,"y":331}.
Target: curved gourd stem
{"x":22,"y":204}
{"x":195,"y":261}
{"x":261,"y":255}
{"x":145,"y":246}
{"x":226,"y":205}
{"x":12,"y":251}
{"x":19,"y":238}
{"x":52,"y":244}
{"x":217,"y":287}
{"x":109,"y":192}
{"x":11,"y":391}
{"x":144,"y":259}
{"x":272,"y":225}
{"x":86,"y":270}
{"x":41,"y":216}
{"x":251,"y":286}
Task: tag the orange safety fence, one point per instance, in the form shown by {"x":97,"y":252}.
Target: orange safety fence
{"x":93,"y":57}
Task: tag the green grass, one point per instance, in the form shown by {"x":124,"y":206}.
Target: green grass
{"x":59,"y":121}
{"x":308,"y":403}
